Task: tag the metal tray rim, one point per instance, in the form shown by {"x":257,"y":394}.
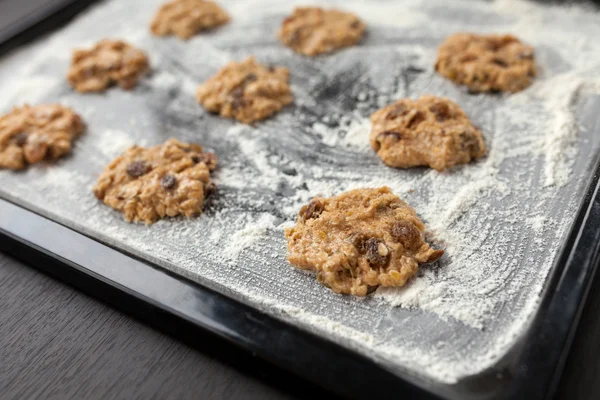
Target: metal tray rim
{"x":552,"y":335}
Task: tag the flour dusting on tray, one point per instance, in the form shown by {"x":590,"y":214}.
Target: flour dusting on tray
{"x":500,"y":220}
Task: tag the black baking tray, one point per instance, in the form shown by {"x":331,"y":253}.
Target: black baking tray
{"x":286,"y":356}
{"x":35,"y":15}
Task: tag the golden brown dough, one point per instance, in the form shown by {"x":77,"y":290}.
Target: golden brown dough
{"x":487,"y":62}
{"x":247,"y":91}
{"x":31,"y":134}
{"x":431,"y":131}
{"x":185,"y":18}
{"x":147,"y":184}
{"x":359,"y":240}
{"x":109,"y":62}
{"x":313,"y":30}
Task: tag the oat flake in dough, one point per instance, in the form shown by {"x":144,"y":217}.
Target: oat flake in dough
{"x":29,"y":135}
{"x":312,"y":30}
{"x":430,"y":131}
{"x":487,"y":63}
{"x":109,"y":62}
{"x":247,"y":91}
{"x":359,"y":240}
{"x":530,"y":131}
{"x":168,"y":180}
{"x":186,"y":18}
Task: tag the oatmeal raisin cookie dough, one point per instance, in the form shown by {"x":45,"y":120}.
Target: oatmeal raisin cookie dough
{"x":431,"y":131}
{"x":359,"y":240}
{"x":108,"y":63}
{"x":186,"y":18}
{"x":487,"y":63}
{"x":313,"y":30}
{"x":246,"y":90}
{"x":147,"y":184}
{"x":29,"y":135}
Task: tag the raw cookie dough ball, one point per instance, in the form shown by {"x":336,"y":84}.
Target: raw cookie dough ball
{"x":246,"y":91}
{"x":431,"y":131}
{"x":313,"y":30}
{"x":31,"y":134}
{"x":185,"y":18}
{"x":109,"y":62}
{"x":487,"y":63}
{"x":147,"y":184}
{"x":359,"y":240}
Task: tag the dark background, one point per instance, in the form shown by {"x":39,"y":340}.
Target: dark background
{"x":58,"y":343}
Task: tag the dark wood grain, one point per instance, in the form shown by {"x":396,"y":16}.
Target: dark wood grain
{"x":57,"y":343}
{"x":581,"y":377}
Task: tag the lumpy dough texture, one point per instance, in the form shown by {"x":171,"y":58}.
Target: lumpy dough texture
{"x":487,"y":62}
{"x":431,"y":131}
{"x":147,"y":184}
{"x":31,"y":134}
{"x":109,"y":62}
{"x":312,"y":30}
{"x":246,"y":91}
{"x":185,"y":18}
{"x":359,"y":240}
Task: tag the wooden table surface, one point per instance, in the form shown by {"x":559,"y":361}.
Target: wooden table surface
{"x":57,"y":343}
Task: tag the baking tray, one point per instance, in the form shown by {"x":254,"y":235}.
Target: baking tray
{"x":50,"y":219}
{"x":35,"y":16}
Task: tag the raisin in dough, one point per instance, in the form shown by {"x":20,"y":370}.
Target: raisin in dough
{"x":431,"y":131}
{"x":312,"y":30}
{"x":246,"y":91}
{"x":185,"y":18}
{"x":487,"y":62}
{"x":147,"y":184}
{"x":31,"y":134}
{"x":109,"y":62}
{"x":359,"y":240}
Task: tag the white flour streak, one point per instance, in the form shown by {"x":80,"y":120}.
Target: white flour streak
{"x":557,"y":144}
{"x":499,"y":220}
{"x":165,"y":80}
{"x":352,"y":133}
{"x":27,"y":91}
{"x":538,"y":223}
{"x":114,"y":142}
{"x":244,"y":238}
{"x":357,"y":135}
